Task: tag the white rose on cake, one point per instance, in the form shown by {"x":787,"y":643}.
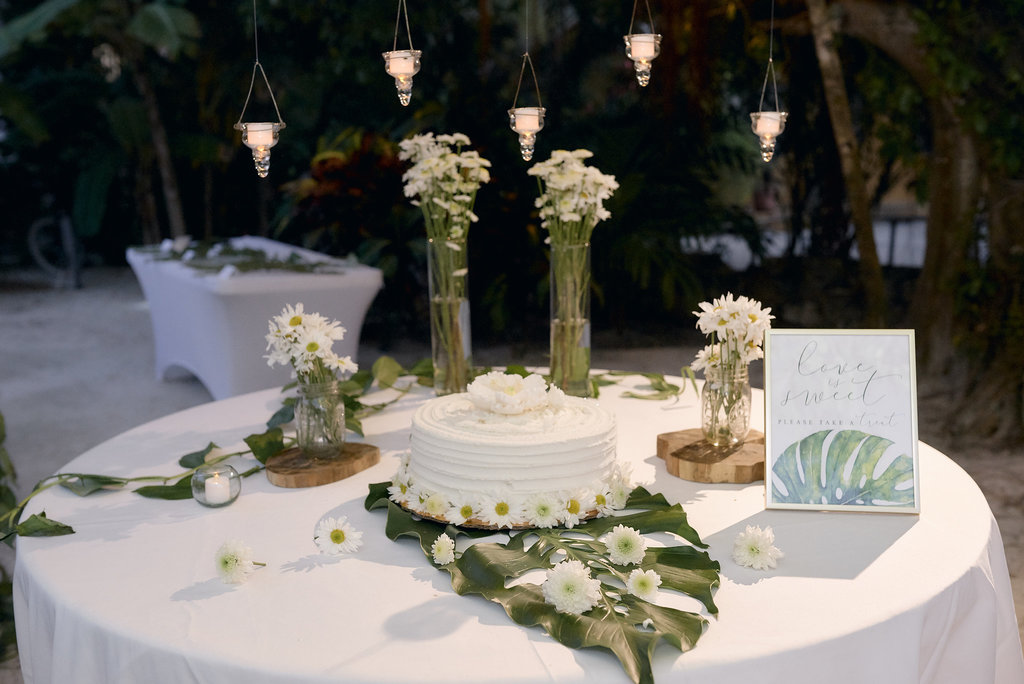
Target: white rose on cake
{"x":511,"y":395}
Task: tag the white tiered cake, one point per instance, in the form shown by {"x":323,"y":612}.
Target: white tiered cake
{"x":510,"y":452}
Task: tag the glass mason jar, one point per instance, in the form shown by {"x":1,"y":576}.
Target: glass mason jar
{"x":320,"y":419}
{"x":725,"y":405}
{"x":451,"y":345}
{"x":570,"y":318}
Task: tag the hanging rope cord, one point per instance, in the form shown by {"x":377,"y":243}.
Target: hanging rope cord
{"x":771,"y":64}
{"x":650,"y":17}
{"x":527,"y":60}
{"x":255,"y":66}
{"x":402,"y":9}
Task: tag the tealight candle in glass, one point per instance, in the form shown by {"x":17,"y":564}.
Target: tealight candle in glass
{"x":216,"y":485}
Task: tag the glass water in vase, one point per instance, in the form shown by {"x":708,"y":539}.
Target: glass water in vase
{"x":570,"y":318}
{"x":725,"y":405}
{"x":450,"y":340}
{"x":320,"y":419}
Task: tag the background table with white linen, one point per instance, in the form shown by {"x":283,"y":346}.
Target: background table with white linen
{"x":214,"y":326}
{"x":133,"y":595}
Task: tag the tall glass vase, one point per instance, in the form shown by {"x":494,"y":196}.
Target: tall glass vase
{"x":570,"y":318}
{"x":450,"y":341}
{"x":725,"y":405}
{"x":320,"y":419}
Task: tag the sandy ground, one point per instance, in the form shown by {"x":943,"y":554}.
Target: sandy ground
{"x":76,"y":368}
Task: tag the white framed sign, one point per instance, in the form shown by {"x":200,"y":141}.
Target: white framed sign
{"x":841,"y":420}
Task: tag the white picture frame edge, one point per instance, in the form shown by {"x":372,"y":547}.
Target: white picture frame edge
{"x":915,"y":439}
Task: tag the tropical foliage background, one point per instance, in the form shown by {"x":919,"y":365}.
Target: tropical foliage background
{"x":119,"y":114}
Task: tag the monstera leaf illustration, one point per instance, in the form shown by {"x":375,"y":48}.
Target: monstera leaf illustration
{"x":843,"y":467}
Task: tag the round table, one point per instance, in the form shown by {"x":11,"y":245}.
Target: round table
{"x":133,"y":595}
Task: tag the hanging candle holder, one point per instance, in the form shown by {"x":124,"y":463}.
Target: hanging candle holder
{"x":768,"y":125}
{"x":259,"y":136}
{"x":402,"y":65}
{"x":642,"y":48}
{"x":526,"y":121}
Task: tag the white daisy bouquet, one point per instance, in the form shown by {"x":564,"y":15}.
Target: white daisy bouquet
{"x":303,"y":341}
{"x":736,"y":327}
{"x":444,"y":178}
{"x":572,"y":196}
{"x":571,"y":203}
{"x":443,"y":182}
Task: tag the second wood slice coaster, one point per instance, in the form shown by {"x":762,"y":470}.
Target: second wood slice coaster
{"x":292,"y":468}
{"x":689,"y":457}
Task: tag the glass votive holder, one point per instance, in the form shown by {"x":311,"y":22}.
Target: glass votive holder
{"x":216,"y":485}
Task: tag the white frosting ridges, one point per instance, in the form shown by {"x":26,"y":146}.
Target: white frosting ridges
{"x":511,"y":453}
{"x":457,"y":447}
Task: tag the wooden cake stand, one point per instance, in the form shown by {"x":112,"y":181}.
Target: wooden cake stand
{"x":292,"y":468}
{"x":689,"y":457}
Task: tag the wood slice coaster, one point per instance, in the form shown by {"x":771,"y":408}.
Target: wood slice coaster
{"x":689,"y":457}
{"x":292,"y":468}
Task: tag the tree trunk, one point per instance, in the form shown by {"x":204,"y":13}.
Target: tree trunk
{"x":162,"y":150}
{"x":872,"y":282}
{"x":953,"y":179}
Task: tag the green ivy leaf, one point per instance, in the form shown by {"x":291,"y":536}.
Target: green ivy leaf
{"x":387,"y":371}
{"x":196,"y":458}
{"x":282,"y":416}
{"x":84,"y":485}
{"x":799,"y":470}
{"x":182,"y":489}
{"x":38,"y":525}
{"x":266,"y":444}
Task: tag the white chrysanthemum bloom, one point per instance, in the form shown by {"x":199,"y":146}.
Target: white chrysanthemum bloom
{"x":336,"y":535}
{"x":543,"y":510}
{"x":570,"y":588}
{"x":625,"y":545}
{"x":461,"y":510}
{"x":435,"y":505}
{"x":234,"y":561}
{"x":754,"y":548}
{"x":443,"y":550}
{"x":576,"y":505}
{"x":500,"y":511}
{"x":508,"y":393}
{"x":644,"y":584}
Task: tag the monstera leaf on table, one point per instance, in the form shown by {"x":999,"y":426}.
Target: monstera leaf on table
{"x":847,"y":474}
{"x":624,"y":624}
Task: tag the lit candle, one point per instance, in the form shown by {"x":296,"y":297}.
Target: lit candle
{"x":402,"y":65}
{"x":218,"y":489}
{"x":259,"y":134}
{"x":527,"y":120}
{"x":768,"y":123}
{"x":641,"y":46}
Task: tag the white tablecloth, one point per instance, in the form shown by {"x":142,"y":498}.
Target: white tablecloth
{"x":214,"y":327}
{"x":133,"y":595}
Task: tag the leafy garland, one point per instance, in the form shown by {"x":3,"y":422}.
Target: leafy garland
{"x":626,"y":625}
{"x":211,"y":257}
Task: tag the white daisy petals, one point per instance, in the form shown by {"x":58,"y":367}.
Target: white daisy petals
{"x":754,"y":548}
{"x":336,"y":535}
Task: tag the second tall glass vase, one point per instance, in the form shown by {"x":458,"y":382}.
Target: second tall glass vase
{"x":570,"y":318}
{"x":450,"y":341}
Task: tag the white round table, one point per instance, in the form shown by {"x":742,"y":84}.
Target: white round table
{"x":133,"y":595}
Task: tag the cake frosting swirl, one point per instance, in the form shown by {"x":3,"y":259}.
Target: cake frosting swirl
{"x":511,"y":452}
